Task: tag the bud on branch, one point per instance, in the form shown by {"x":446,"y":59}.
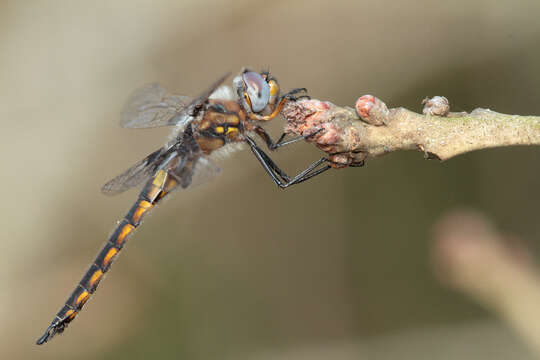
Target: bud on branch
{"x":350,"y":136}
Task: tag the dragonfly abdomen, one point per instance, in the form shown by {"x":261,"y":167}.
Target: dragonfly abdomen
{"x":153,"y":192}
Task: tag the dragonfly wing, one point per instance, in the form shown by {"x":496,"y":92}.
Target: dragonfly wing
{"x":198,"y":103}
{"x":135,"y":175}
{"x":152,"y":106}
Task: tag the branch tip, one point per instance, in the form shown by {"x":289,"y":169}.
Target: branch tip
{"x":350,"y":136}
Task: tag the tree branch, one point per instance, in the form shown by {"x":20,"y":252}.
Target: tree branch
{"x":350,"y":137}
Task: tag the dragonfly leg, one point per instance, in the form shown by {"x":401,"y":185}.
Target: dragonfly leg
{"x":280,"y":142}
{"x":311,"y":171}
{"x":291,"y":95}
{"x":279,"y":177}
{"x":284,"y":177}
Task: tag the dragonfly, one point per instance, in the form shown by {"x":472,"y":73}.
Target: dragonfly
{"x":218,"y":120}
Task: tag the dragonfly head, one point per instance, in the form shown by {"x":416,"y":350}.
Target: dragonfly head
{"x":258,"y":90}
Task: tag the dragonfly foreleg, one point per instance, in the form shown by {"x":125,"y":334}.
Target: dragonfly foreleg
{"x":273,"y":166}
{"x":279,"y":177}
{"x":280,"y":142}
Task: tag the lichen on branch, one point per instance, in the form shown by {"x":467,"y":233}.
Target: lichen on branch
{"x":350,"y":136}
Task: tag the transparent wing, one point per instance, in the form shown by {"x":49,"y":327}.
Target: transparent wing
{"x":146,"y":108}
{"x":152,"y":106}
{"x":198,"y":103}
{"x":205,"y":170}
{"x":135,"y":175}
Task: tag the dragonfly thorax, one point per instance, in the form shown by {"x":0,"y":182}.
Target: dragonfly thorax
{"x":222,"y":123}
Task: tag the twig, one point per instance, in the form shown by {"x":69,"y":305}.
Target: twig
{"x":351,"y":136}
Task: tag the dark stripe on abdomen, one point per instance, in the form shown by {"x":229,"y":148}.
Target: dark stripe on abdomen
{"x":154,"y":190}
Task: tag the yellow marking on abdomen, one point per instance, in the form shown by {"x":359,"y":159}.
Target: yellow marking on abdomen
{"x":160,"y":177}
{"x":153,"y":192}
{"x":142,"y":207}
{"x":70,"y":314}
{"x":220,"y":129}
{"x":95,"y":277}
{"x":126,"y":230}
{"x":110,"y":254}
{"x":83,"y":297}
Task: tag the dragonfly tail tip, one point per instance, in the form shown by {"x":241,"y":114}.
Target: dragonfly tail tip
{"x":49,"y":333}
{"x":43,"y":339}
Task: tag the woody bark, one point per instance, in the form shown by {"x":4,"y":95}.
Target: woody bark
{"x":351,"y":136}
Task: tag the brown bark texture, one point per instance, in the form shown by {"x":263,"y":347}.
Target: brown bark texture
{"x":350,"y":136}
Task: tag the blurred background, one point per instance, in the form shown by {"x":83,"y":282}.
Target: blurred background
{"x":339,"y":267}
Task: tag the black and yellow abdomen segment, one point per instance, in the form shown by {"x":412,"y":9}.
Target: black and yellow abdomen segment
{"x":154,"y":190}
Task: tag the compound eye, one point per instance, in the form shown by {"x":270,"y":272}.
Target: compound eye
{"x":257,"y":90}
